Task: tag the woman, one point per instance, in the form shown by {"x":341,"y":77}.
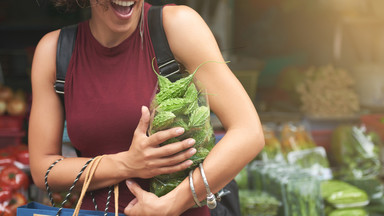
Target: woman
{"x":108,"y":88}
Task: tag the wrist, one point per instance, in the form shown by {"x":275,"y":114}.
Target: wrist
{"x":178,"y":200}
{"x":118,"y":163}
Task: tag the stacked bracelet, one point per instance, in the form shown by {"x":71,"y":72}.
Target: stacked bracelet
{"x":211,"y":199}
{"x":193,"y":189}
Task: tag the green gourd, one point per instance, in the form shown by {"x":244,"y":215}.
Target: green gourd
{"x":163,"y":119}
{"x":199,"y":116}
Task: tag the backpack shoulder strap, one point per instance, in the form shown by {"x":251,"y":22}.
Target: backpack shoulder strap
{"x":65,"y":46}
{"x":166,"y":62}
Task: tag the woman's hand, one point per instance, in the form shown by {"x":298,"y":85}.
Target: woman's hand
{"x":145,"y":203}
{"x":145,"y":159}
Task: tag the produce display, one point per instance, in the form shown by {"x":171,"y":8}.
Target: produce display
{"x":181,"y":104}
{"x":14,"y":181}
{"x":300,"y":149}
{"x":328,"y":92}
{"x":298,"y":191}
{"x":312,"y":160}
{"x":354,"y":152}
{"x":347,"y":181}
{"x":258,"y":203}
{"x":272,"y":149}
{"x":349,"y":212}
{"x":295,"y":137}
{"x":341,"y":195}
{"x":12,"y":103}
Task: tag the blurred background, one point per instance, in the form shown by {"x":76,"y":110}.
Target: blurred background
{"x":314,"y":70}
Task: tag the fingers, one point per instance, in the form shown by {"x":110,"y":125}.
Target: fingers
{"x":144,"y":120}
{"x":130,"y":206}
{"x":175,"y":168}
{"x":173,"y":148}
{"x":133,"y":187}
{"x":162,"y":136}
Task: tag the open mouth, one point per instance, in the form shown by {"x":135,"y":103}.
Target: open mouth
{"x":123,"y":7}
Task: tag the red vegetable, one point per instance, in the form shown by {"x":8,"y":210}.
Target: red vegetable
{"x":14,"y":177}
{"x":5,"y":193}
{"x":20,"y":153}
{"x":5,"y":210}
{"x":6,"y":158}
{"x":18,"y":199}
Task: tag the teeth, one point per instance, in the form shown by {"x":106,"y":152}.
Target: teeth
{"x":123,"y":3}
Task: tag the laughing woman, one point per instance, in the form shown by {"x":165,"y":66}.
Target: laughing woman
{"x":108,"y":88}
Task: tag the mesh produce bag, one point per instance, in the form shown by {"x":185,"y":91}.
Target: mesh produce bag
{"x":183,"y":103}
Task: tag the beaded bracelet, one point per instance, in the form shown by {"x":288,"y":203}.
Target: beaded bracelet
{"x":211,"y":199}
{"x":193,"y":189}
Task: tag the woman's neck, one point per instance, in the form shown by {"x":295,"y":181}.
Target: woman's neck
{"x":107,"y":37}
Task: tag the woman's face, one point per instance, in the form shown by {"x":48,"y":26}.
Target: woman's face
{"x":117,"y":15}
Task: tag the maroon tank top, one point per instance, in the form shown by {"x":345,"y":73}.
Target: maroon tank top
{"x":104,"y":91}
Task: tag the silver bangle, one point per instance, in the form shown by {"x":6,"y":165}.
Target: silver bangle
{"x":193,"y":189}
{"x":211,"y":199}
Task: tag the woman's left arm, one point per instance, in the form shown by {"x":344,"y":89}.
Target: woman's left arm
{"x":192,"y":43}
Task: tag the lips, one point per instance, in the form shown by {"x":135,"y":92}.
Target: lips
{"x":124,"y":8}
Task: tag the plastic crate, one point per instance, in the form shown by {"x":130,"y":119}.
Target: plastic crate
{"x":11,"y":123}
{"x":374,"y":122}
{"x":9,"y":138}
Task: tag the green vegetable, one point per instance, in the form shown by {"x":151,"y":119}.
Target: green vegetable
{"x":342,"y":194}
{"x":242,"y":178}
{"x":199,"y":116}
{"x":163,"y":119}
{"x":181,"y":104}
{"x":257,"y":203}
{"x":178,"y":88}
{"x":191,"y":107}
{"x":191,"y":94}
{"x":162,"y":81}
{"x":175,"y":105}
{"x":163,"y":187}
{"x":349,"y":212}
{"x":353,"y":151}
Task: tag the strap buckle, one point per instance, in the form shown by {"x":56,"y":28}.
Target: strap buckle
{"x":169,"y":68}
{"x":59,"y":86}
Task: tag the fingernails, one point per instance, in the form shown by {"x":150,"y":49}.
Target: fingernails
{"x":128,"y":182}
{"x":180,"y":130}
{"x":192,"y":151}
{"x":191,"y":142}
{"x":189,"y":162}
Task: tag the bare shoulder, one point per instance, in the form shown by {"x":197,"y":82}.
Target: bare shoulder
{"x":188,"y":35}
{"x":44,"y":60}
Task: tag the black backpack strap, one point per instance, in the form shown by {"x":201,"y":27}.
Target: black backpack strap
{"x":65,"y":46}
{"x":168,"y":66}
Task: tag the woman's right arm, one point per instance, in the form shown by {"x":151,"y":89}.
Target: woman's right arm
{"x":144,"y":158}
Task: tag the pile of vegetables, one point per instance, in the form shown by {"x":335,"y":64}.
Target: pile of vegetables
{"x":299,"y":191}
{"x":257,"y":203}
{"x":14,"y":181}
{"x":295,"y":137}
{"x":272,"y":149}
{"x":355,"y":151}
{"x":181,"y":104}
{"x":12,"y":103}
{"x":328,"y":92}
{"x":342,"y":198}
{"x":254,"y":201}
